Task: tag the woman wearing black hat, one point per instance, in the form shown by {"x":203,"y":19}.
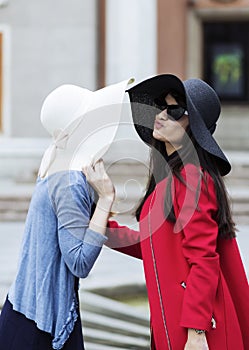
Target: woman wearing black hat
{"x":197,"y":287}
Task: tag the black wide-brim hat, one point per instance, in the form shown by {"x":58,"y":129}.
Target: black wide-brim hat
{"x":202,"y":104}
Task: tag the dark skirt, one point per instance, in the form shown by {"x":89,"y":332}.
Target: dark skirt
{"x":19,"y":333}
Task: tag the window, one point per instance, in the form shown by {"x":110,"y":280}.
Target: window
{"x":226,"y":59}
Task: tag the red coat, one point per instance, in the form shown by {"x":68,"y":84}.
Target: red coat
{"x":194,"y":279}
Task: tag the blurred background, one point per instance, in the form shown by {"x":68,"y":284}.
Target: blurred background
{"x":92,"y":43}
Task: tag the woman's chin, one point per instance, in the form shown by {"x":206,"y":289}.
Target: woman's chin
{"x":158,"y":136}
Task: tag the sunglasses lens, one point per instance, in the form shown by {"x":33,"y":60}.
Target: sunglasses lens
{"x":176,"y":112}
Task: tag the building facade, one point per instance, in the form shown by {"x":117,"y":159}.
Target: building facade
{"x":92,"y":43}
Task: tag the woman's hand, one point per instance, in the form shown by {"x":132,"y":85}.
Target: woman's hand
{"x":196,"y":341}
{"x":99,"y":180}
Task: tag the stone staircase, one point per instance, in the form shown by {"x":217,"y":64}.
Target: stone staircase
{"x":238,"y":187}
{"x":15,"y":197}
{"x":112,"y":325}
{"x":14,"y":200}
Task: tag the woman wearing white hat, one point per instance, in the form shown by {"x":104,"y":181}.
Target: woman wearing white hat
{"x":61,"y":238}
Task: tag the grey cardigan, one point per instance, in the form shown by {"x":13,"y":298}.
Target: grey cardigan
{"x":57,"y":246}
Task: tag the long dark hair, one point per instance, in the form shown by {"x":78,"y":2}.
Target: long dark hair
{"x":162,"y":166}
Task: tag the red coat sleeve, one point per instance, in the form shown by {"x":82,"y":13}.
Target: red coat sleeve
{"x":123,"y":239}
{"x":196,"y":208}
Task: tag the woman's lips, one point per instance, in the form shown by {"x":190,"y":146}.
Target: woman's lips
{"x":158,"y":125}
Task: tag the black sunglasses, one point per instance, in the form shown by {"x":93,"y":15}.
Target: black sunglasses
{"x":173,"y":111}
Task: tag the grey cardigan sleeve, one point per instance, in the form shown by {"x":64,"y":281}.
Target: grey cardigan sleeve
{"x":79,"y":245}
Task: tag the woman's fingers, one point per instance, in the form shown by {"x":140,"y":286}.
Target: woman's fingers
{"x":98,"y":166}
{"x":95,"y":170}
{"x":97,"y":177}
{"x":90,"y":169}
{"x":101,"y":169}
{"x":87,"y":170}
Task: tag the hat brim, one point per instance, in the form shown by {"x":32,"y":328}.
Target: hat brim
{"x":143,"y":96}
{"x":90,"y":124}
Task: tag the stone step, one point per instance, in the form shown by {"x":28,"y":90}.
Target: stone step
{"x":240,"y":209}
{"x":241,"y":219}
{"x":91,"y":346}
{"x":94,"y":346}
{"x":110,"y":339}
{"x":14,"y":200}
{"x":91,"y":302}
{"x":111,"y":324}
{"x":114,"y":324}
{"x":15,"y":197}
{"x":15,"y":209}
{"x":18,"y":213}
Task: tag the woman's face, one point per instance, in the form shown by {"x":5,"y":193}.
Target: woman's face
{"x":168,"y":130}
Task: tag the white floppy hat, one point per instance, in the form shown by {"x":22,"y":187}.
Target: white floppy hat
{"x":63,"y":105}
{"x":83,"y":124}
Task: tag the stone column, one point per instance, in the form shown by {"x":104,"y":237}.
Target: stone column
{"x":131,"y":39}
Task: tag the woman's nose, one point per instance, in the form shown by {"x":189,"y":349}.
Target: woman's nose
{"x":162,"y":115}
